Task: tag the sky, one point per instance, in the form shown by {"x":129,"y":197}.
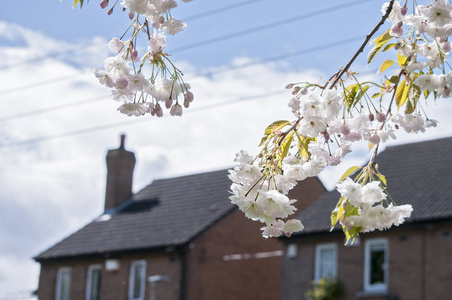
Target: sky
{"x":57,"y":122}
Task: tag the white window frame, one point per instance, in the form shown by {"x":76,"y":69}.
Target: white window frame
{"x":318,"y":250}
{"x":60,"y":274}
{"x":132,"y":279}
{"x":372,"y":243}
{"x":89,"y":275}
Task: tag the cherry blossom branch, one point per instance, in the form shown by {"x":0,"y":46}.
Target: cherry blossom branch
{"x":361,"y":49}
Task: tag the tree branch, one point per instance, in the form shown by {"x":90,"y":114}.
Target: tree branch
{"x":361,"y":49}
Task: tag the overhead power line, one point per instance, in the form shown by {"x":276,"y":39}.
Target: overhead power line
{"x":268,"y":26}
{"x":215,"y":40}
{"x":141,"y":120}
{"x":204,"y":73}
{"x":54,"y":54}
{"x":219,"y":10}
{"x":42,"y":83}
{"x":53,"y":108}
{"x":85,"y":47}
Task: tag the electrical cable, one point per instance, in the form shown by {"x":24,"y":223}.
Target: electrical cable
{"x":141,"y":120}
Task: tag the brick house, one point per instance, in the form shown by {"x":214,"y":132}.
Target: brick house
{"x":178,"y":238}
{"x":409,"y":262}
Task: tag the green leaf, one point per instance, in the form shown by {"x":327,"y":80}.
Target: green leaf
{"x":400,"y":95}
{"x":303,"y":144}
{"x":373,"y":53}
{"x":76,"y":2}
{"x":353,"y":93}
{"x":349,"y":172}
{"x":401,"y":60}
{"x":382,"y":178}
{"x":382,"y":38}
{"x":337,"y":213}
{"x":413,"y":97}
{"x":269,"y":130}
{"x":285,"y":146}
{"x":351,"y":234}
{"x":388,"y":46}
{"x":361,"y":93}
{"x":394,"y":79}
{"x":385,"y":65}
{"x":350,"y":210}
{"x":350,"y":94}
{"x":379,"y":44}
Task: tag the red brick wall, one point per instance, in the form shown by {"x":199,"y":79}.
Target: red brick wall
{"x":211,"y":277}
{"x":114,"y":284}
{"x":420,"y":264}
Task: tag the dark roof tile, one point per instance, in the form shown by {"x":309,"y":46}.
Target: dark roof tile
{"x":419,"y":174}
{"x":168,"y":212}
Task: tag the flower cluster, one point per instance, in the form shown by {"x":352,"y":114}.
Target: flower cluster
{"x":263,"y":199}
{"x":330,"y":117}
{"x":125,"y":72}
{"x":367,"y":211}
{"x":423,"y":41}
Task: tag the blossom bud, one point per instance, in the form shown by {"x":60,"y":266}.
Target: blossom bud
{"x":446,"y":91}
{"x":168,"y":103}
{"x":103,"y":4}
{"x":374,"y":139}
{"x":158,"y":110}
{"x":371,"y":117}
{"x":381,"y":117}
{"x":123,"y":9}
{"x":186,"y":104}
{"x":397,"y":30}
{"x":189,"y":96}
{"x":344,"y":129}
{"x":446,"y":47}
{"x":296,"y":89}
{"x":404,"y":10}
{"x":134,"y":55}
{"x":289,"y":86}
{"x":110,"y":11}
{"x":326,"y":136}
{"x":161,"y":20}
{"x":396,"y":126}
{"x":176,"y":110}
{"x":304,"y":91}
{"x":131,"y":15}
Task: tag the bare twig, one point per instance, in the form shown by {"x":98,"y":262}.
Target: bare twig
{"x":361,"y":49}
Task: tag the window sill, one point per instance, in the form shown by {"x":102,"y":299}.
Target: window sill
{"x":371,"y":294}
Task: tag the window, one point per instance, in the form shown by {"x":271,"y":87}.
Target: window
{"x":93,"y":280}
{"x":375,"y":265}
{"x":325,"y":261}
{"x":63,"y":284}
{"x":137,"y":280}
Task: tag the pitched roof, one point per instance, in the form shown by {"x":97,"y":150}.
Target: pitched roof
{"x":168,"y":212}
{"x":419,"y":174}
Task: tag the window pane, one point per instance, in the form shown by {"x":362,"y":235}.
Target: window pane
{"x":65,"y":285}
{"x":377,"y":260}
{"x":137,"y":281}
{"x":327,"y":263}
{"x":96,"y":275}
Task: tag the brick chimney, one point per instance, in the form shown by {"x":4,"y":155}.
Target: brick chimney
{"x":120,"y":164}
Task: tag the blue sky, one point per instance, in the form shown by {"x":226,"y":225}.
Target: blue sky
{"x":53,"y":183}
